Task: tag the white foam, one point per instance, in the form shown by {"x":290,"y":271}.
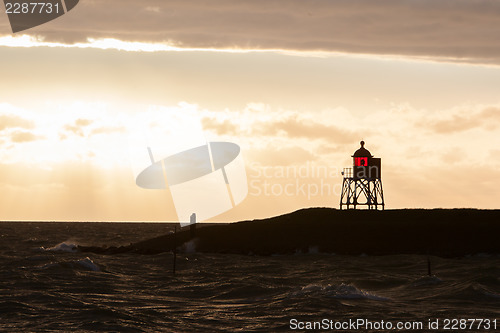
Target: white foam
{"x":342,"y":291}
{"x":88,"y":264}
{"x":348,"y":291}
{"x":62,"y":247}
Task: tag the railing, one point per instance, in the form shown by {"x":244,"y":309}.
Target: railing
{"x":347,"y":173}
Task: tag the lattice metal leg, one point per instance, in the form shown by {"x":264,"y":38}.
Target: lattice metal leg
{"x":362,"y":192}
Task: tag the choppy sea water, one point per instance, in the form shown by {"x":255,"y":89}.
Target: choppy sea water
{"x":47,"y":287}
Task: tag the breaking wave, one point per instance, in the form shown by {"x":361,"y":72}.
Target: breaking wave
{"x":85,"y":264}
{"x":342,"y":291}
{"x":62,"y":247}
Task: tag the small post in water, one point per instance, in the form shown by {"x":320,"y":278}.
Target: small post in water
{"x":429,"y":266}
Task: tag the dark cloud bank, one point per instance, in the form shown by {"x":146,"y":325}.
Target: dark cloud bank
{"x":467,"y":30}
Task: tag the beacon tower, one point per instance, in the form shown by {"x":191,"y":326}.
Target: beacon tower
{"x":362,"y":184}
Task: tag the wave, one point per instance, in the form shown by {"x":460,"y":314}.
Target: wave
{"x":62,"y":247}
{"x":342,"y":291}
{"x":426,"y":280}
{"x":86,"y":264}
{"x":483,"y":291}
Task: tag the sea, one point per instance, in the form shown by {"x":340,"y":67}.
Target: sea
{"x":46,"y":285}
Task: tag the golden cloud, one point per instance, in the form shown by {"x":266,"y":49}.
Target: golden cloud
{"x":13,"y":121}
{"x":487,"y":118}
{"x":23,"y":136}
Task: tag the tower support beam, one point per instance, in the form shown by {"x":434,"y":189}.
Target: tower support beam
{"x":362,"y":192}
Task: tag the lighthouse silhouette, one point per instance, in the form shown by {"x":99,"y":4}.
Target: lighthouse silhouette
{"x":362,"y":184}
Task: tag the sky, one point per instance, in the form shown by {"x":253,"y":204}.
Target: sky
{"x":296,"y":84}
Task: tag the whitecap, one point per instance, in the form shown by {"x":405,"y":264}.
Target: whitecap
{"x":87,"y":263}
{"x":62,"y":247}
{"x":348,"y":291}
{"x":342,"y":291}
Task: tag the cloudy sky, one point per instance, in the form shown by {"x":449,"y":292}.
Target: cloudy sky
{"x":297,"y":84}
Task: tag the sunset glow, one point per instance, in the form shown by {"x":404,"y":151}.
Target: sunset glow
{"x":70,"y":102}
